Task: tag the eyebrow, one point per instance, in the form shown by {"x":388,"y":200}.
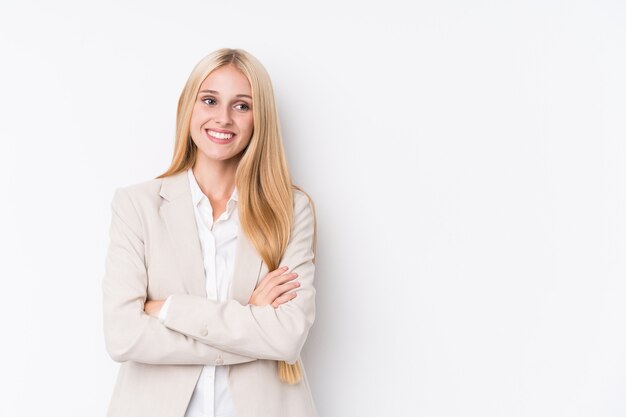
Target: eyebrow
{"x":217,"y":93}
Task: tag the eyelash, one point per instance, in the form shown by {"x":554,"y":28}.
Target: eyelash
{"x":246,"y":107}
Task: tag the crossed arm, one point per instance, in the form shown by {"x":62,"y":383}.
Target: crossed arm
{"x":273,"y":289}
{"x":197,"y":330}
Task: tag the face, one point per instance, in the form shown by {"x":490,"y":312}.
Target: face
{"x":221,"y":122}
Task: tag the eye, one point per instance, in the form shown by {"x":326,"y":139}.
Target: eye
{"x":209,"y":100}
{"x":242,"y":107}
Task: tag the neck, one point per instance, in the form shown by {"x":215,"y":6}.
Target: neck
{"x":215,"y":178}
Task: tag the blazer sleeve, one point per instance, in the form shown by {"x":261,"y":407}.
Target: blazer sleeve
{"x":262,"y":332}
{"x":130,"y":333}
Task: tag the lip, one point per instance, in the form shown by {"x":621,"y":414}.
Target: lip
{"x":220,"y":141}
{"x":220,"y":130}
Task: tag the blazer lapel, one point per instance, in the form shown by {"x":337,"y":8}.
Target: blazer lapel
{"x":178,"y":215}
{"x":177,"y":212}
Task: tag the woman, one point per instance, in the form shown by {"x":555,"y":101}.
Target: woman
{"x":208,"y":292}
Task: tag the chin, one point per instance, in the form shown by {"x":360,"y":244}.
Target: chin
{"x":220,"y":156}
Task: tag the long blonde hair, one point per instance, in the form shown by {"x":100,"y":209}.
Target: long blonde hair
{"x":264,"y":187}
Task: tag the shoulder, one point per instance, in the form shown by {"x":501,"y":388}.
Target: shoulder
{"x":145,"y":190}
{"x":302,"y":199}
{"x":304,"y":227}
{"x":137,"y":198}
{"x":141,"y":190}
{"x":303,"y":207}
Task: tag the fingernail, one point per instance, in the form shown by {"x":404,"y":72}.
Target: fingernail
{"x":285,"y":268}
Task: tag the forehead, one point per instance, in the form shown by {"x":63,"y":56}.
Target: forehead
{"x":227,"y":80}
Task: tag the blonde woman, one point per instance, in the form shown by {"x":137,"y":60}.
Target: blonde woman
{"x":208,"y":293}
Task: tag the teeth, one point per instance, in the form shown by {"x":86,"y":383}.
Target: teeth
{"x":219,"y":135}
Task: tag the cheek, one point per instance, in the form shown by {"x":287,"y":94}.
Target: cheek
{"x":198,"y":115}
{"x":194,"y":119}
{"x":249,"y":123}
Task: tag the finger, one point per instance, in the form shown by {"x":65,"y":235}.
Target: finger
{"x":282,"y":289}
{"x":281,"y":279}
{"x":271,"y":275}
{"x":284,"y":298}
{"x":271,"y":285}
{"x":278,"y":280}
{"x":278,"y":272}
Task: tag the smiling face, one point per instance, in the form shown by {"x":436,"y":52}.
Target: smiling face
{"x":221,"y":122}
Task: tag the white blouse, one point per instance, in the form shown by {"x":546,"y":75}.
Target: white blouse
{"x":211,"y":396}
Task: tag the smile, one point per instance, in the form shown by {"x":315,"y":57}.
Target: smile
{"x":219,"y":135}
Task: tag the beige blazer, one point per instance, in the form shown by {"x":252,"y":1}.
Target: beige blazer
{"x":154,"y":252}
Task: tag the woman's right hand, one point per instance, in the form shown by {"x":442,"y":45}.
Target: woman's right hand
{"x":273,"y":288}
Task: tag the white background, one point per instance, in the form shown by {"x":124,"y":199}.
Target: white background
{"x":467,"y":160}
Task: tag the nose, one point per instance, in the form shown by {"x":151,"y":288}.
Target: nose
{"x":222,"y":115}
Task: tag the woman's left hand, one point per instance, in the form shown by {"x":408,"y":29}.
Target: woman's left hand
{"x":153,"y":307}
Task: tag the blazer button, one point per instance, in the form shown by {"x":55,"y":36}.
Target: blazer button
{"x":204,"y":332}
{"x":219,"y":361}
